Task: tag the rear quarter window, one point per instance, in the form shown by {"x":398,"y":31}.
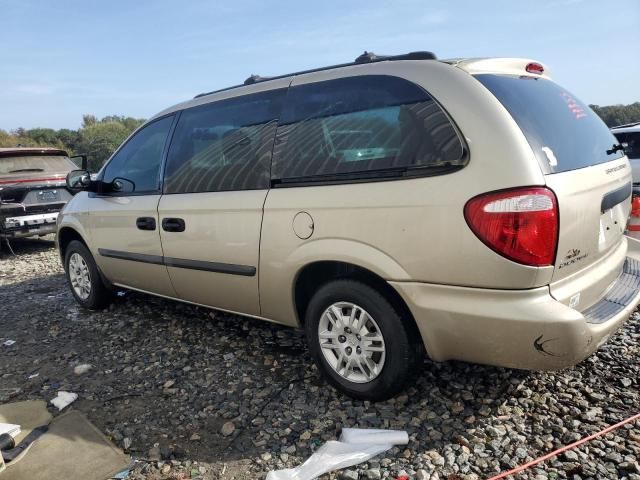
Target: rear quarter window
{"x":363,"y":127}
{"x":564,"y":133}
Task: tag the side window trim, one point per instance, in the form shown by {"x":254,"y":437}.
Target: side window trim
{"x":165,"y":150}
{"x":167,"y":147}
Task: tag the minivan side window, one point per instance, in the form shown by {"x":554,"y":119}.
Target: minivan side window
{"x":224,"y":145}
{"x":140,"y":158}
{"x":363,"y":127}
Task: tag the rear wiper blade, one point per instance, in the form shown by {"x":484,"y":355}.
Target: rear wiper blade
{"x":27,"y":170}
{"x":615,"y":148}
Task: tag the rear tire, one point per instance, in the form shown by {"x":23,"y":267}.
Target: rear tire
{"x":84,"y":278}
{"x":360,"y":343}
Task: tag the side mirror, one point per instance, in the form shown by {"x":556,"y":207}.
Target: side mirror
{"x":78,"y":180}
{"x":80,"y":161}
{"x":122,"y":185}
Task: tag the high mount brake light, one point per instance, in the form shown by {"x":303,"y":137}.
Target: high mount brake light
{"x":534,"y":67}
{"x":519,"y":224}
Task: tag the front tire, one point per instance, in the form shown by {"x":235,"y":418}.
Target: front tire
{"x":84,"y":278}
{"x":361,"y":344}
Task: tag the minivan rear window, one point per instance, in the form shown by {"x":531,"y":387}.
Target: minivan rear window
{"x":564,"y":133}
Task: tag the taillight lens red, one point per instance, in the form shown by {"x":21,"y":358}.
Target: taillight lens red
{"x":520,"y":224}
{"x":635,"y":206}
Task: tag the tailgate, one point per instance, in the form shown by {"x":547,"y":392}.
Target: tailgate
{"x":594,"y":204}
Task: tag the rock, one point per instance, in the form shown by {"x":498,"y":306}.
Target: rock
{"x":422,"y":475}
{"x":348,"y":475}
{"x":571,"y":456}
{"x":195,"y":437}
{"x":373,"y":474}
{"x":227,"y":429}
{"x":265,"y":457}
{"x":497,"y":431}
{"x":154,"y":453}
{"x":82,"y":368}
{"x":169,"y":384}
{"x":306,"y":435}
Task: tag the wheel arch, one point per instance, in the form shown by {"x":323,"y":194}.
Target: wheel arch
{"x":316,"y":274}
{"x":65,"y":236}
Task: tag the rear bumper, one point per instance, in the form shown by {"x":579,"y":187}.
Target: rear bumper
{"x":525,"y":329}
{"x":28,"y":225}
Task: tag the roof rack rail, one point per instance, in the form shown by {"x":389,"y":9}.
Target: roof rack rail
{"x":366,"y":57}
{"x":255,"y":79}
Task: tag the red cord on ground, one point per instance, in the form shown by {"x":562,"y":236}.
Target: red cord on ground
{"x":564,"y":449}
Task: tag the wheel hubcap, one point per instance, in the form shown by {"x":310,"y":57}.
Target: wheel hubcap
{"x":79,"y":276}
{"x":351,"y":342}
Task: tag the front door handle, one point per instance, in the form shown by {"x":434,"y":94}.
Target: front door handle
{"x":146,"y":223}
{"x":173,"y":225}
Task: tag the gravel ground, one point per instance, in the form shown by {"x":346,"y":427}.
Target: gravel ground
{"x":194,"y":393}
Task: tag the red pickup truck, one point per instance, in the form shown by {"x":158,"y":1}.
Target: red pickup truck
{"x":32,"y":190}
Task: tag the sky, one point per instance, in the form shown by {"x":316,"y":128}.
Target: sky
{"x":60,"y":60}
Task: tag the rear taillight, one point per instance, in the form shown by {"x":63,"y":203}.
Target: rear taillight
{"x":520,"y":224}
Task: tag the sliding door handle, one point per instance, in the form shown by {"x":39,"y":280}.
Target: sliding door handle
{"x":173,"y":225}
{"x":146,"y":223}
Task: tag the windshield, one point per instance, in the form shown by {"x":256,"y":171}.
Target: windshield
{"x":35,"y":163}
{"x":564,"y":133}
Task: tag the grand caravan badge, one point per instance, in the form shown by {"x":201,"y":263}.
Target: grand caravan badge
{"x":574,"y":255}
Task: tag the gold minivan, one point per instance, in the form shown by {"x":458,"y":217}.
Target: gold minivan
{"x":470,"y":209}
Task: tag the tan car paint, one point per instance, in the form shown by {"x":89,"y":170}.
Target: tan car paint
{"x":469,"y":302}
{"x":112,"y":221}
{"x":220,"y":227}
{"x":590,"y":251}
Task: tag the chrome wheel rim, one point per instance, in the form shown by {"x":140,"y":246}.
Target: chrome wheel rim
{"x":79,"y":276}
{"x":351,"y":342}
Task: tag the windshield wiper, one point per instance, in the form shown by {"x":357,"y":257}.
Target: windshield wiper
{"x":27,"y":170}
{"x":615,"y":148}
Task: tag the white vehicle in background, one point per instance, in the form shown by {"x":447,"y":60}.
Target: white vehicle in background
{"x":629,"y":137}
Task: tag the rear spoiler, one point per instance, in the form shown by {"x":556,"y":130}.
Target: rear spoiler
{"x":506,"y":66}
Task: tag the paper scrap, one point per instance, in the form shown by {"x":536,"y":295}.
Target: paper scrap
{"x":64,"y":399}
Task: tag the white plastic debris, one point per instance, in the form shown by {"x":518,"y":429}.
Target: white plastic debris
{"x":356,"y":445}
{"x":8,"y":343}
{"x":64,"y":399}
{"x":80,"y":369}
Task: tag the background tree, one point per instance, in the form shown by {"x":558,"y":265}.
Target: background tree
{"x":96,"y":138}
{"x":614,"y":115}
